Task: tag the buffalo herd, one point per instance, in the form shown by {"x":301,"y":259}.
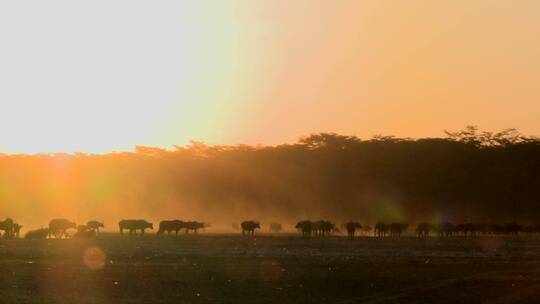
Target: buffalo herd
{"x":58,"y":228}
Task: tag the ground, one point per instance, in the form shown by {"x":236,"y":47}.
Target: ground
{"x":270,"y":269}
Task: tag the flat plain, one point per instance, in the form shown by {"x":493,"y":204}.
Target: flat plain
{"x":214,"y":268}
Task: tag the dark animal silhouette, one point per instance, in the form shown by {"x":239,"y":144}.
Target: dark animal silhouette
{"x":445,"y":229}
{"x":381,"y":229}
{"x":194,"y":226}
{"x":513,"y":228}
{"x":531,"y":229}
{"x":306,"y":227}
{"x":323,"y":228}
{"x":424,"y":229}
{"x":496,"y":229}
{"x":37,"y":234}
{"x":396,"y":229}
{"x":171,"y":226}
{"x":249,"y":227}
{"x":95,"y":225}
{"x":317,"y":227}
{"x":275,"y":227}
{"x":84,"y":232}
{"x":58,"y":227}
{"x":366,"y":229}
{"x":351,"y":228}
{"x":17,"y":230}
{"x":7,"y":226}
{"x":134,"y":225}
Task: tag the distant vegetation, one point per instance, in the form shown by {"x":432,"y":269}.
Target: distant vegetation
{"x":467,"y":176}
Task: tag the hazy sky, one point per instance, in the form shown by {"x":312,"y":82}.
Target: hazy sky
{"x":105,"y":75}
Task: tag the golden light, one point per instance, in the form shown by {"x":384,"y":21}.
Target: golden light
{"x":104,"y":76}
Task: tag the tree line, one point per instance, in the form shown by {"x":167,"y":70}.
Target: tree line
{"x":463,"y":176}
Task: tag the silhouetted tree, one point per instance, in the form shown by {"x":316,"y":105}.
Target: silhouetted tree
{"x":7,"y":226}
{"x":468,"y":175}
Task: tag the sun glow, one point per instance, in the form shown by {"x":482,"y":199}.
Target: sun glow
{"x":101,"y":75}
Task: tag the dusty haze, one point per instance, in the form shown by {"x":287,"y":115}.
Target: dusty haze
{"x":468,"y":176}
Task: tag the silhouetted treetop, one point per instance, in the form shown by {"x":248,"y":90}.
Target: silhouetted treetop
{"x":470,"y":175}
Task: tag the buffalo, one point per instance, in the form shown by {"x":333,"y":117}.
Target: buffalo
{"x":445,"y":229}
{"x":323,"y":228}
{"x":306,"y":227}
{"x":381,"y":229}
{"x":84,"y":232}
{"x":171,"y":226}
{"x":396,"y":229}
{"x":40,"y":234}
{"x":58,"y":227}
{"x":134,"y":225}
{"x":94,"y":226}
{"x":249,"y":227}
{"x":351,"y":228}
{"x":193,"y":226}
{"x":424,"y":229}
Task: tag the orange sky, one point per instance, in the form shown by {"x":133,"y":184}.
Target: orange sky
{"x":106,"y":75}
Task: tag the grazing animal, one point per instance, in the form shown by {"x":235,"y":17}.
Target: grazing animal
{"x":351,"y":228}
{"x":95,"y":225}
{"x":495,"y":229}
{"x":275,"y":227}
{"x":58,"y":227}
{"x":531,"y":229}
{"x":17,"y":230}
{"x":396,"y":229}
{"x":366,"y":229}
{"x":423,"y":229}
{"x":317,"y":227}
{"x":471,"y":229}
{"x":134,"y":225}
{"x":7,"y":226}
{"x":249,"y":227}
{"x":37,"y":234}
{"x":464,"y":229}
{"x":323,"y":228}
{"x":445,"y":229}
{"x":513,"y":228}
{"x":84,"y":232}
{"x":170,"y":226}
{"x":306,"y":227}
{"x":193,"y":226}
{"x":381,"y":229}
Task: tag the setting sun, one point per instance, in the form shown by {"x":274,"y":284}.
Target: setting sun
{"x":105,"y":76}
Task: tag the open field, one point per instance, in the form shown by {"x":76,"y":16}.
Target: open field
{"x":270,"y":269}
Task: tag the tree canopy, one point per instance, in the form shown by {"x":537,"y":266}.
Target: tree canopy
{"x":468,"y":175}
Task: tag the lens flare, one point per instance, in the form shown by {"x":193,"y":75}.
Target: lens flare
{"x":94,"y":258}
